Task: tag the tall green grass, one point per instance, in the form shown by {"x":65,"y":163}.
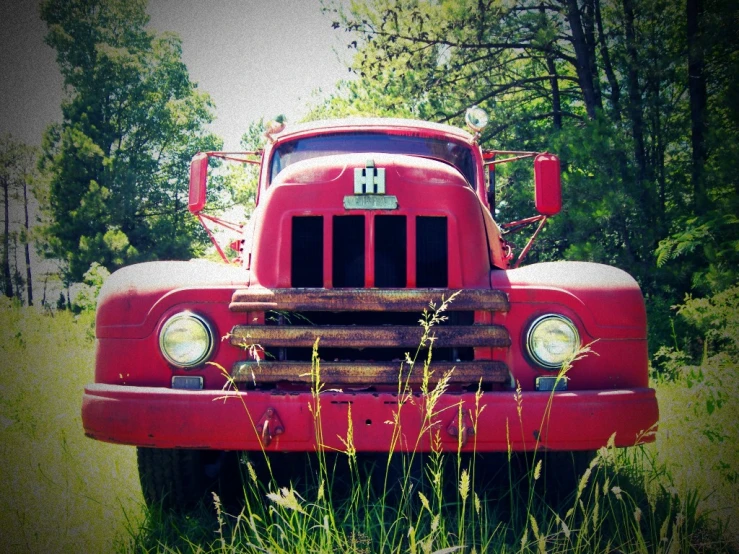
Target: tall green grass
{"x":698,"y":439}
{"x":62,"y":492}
{"x":59,"y":491}
{"x":623,"y":501}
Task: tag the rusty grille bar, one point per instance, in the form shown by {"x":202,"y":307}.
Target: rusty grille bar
{"x":367,"y":373}
{"x":368,"y":300}
{"x":367,"y":337}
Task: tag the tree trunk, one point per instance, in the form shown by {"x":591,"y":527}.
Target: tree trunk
{"x":588,"y":20}
{"x":655,"y":109}
{"x":556,"y":101}
{"x":43,"y":298}
{"x":698,"y":102}
{"x":635,"y":103}
{"x":29,"y":280}
{"x":554,"y":83}
{"x":17,"y":278}
{"x":584,"y":64}
{"x":610,"y":74}
{"x":6,"y":242}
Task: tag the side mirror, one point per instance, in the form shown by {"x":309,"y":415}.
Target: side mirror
{"x":198,"y":182}
{"x":548,"y":184}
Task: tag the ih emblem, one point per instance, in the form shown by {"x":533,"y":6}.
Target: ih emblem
{"x":369,"y":190}
{"x":369,"y":180}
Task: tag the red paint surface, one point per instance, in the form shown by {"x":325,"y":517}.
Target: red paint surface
{"x":198,"y":176}
{"x":227,"y":419}
{"x":548,"y":188}
{"x":131,"y":401}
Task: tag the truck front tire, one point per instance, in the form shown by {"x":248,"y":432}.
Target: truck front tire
{"x":178,"y":479}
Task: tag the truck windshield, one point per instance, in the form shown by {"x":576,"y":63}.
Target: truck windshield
{"x":454,"y":153}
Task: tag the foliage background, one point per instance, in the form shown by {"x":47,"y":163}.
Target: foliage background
{"x":636,"y":97}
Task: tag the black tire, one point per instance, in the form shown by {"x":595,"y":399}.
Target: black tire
{"x":173,"y":479}
{"x":563,"y":471}
{"x":560,"y":474}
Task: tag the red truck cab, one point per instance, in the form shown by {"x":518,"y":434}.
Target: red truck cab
{"x":359,"y":226}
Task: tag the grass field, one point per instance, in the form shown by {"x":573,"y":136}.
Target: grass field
{"x":61,"y":492}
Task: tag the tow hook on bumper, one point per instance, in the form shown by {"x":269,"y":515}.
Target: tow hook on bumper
{"x":269,"y":426}
{"x":463,"y":420}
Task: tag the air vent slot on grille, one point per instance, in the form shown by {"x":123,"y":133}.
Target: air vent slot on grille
{"x":390,"y":251}
{"x":307,"y":252}
{"x":348,"y":244}
{"x":431,"y":252}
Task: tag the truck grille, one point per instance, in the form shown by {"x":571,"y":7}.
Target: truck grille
{"x":348,"y":243}
{"x":389,"y":256}
{"x":364,"y":335}
{"x":390,"y":251}
{"x":431,"y":252}
{"x":307,"y":252}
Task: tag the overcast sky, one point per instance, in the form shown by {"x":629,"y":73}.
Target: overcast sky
{"x":256,"y":58}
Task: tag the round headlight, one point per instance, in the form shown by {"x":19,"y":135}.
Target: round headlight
{"x":186,"y":340}
{"x":552,"y":340}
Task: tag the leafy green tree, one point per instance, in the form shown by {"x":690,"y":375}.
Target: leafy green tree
{"x":93,"y":279}
{"x":242,"y":180}
{"x":132,"y":119}
{"x":638,"y":104}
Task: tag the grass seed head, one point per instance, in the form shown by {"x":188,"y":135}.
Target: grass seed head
{"x":664,"y":528}
{"x":464,"y":485}
{"x":596,"y":512}
{"x":321,"y":491}
{"x":534,"y":526}
{"x":524,"y":538}
{"x":252,"y":473}
{"x":565,"y":529}
{"x":424,"y":501}
{"x":583,"y":482}
{"x":287,"y":498}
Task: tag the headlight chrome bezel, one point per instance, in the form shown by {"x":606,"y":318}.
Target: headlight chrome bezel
{"x":206,"y":328}
{"x":531,"y":350}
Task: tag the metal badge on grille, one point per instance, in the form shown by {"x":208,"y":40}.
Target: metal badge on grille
{"x":369,"y":190}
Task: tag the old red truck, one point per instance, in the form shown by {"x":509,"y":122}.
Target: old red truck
{"x":358,"y":226}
